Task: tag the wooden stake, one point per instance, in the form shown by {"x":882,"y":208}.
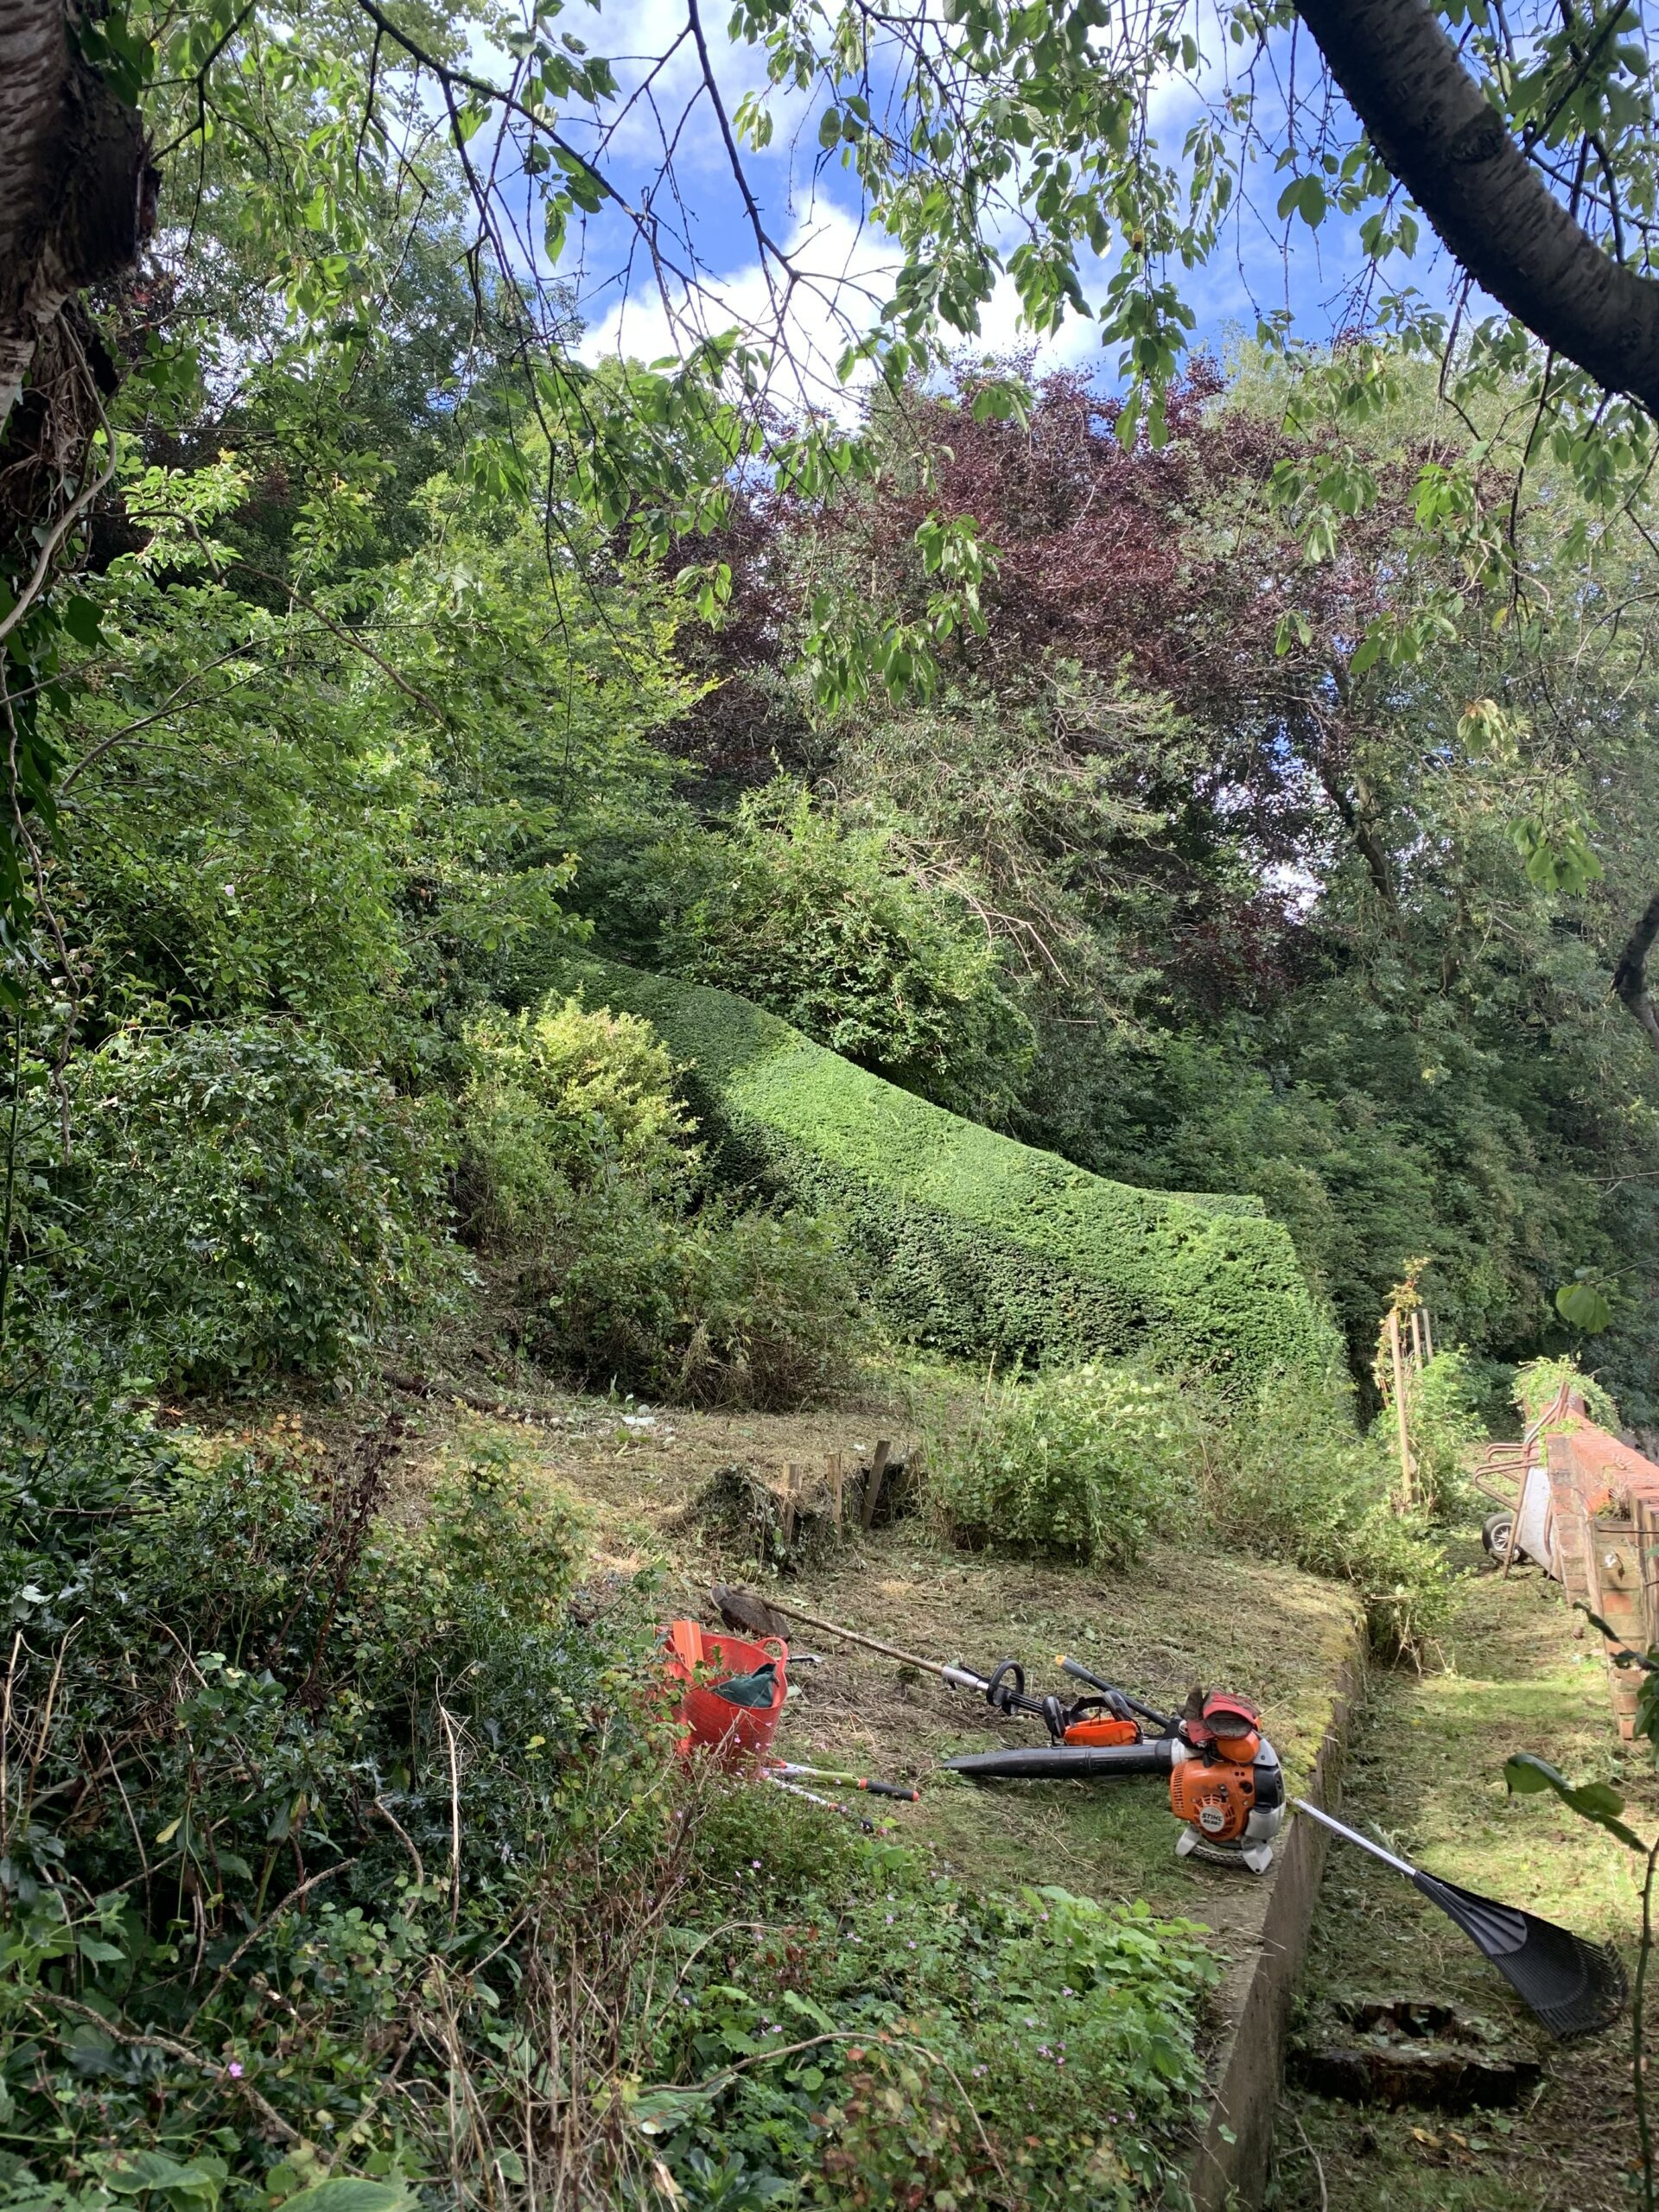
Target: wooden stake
{"x":790,"y":1473}
{"x":1417,"y":1338}
{"x":834,"y":1470}
{"x":1428,"y":1335}
{"x":873,"y":1487}
{"x":1399,"y":1365}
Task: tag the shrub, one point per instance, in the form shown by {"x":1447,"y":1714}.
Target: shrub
{"x":970,"y":1241}
{"x":563,"y":1099}
{"x":238,"y":1201}
{"x":579,"y":1162}
{"x":1296,"y":1479}
{"x":1086,"y":1462}
{"x":1080,"y":1461}
{"x":1444,"y":1424}
{"x":825,"y":928}
{"x":718,"y":1308}
{"x":297,"y":1775}
{"x":1538,"y":1383}
{"x":773,"y":1308}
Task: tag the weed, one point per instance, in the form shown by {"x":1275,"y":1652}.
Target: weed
{"x":237,"y":1201}
{"x":1078,"y":1461}
{"x":1084,"y":1462}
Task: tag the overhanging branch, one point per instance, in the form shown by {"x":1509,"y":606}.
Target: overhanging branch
{"x":1436,"y":133}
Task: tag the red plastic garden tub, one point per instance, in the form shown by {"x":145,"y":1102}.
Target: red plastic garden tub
{"x":703,"y":1658}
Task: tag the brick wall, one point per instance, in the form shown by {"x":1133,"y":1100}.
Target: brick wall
{"x":1604,"y":1539}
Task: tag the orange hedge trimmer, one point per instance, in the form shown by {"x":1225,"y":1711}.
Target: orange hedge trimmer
{"x":1106,"y":1719}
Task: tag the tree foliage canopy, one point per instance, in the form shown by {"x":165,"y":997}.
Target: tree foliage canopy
{"x":1237,"y":778}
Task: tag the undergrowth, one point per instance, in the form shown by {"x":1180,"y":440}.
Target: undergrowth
{"x":864,"y":2031}
{"x":1082,"y":1461}
{"x":334,"y":1848}
{"x":1086,"y":1462}
{"x":581,"y":1174}
{"x":236,"y":1200}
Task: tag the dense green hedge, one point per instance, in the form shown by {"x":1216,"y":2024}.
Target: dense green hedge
{"x":978,"y":1243}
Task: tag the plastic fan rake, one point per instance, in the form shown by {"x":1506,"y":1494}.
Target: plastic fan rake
{"x":1576,"y":1988}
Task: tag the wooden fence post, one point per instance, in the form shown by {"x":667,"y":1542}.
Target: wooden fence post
{"x":873,"y":1487}
{"x":1399,"y":1365}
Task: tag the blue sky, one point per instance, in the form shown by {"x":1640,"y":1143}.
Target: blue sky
{"x":1261,"y":264}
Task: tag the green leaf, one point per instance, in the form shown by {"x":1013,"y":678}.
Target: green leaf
{"x":1598,"y":1803}
{"x":830,"y":127}
{"x":1583,"y":1306}
{"x":80,"y":619}
{"x":661,"y":2112}
{"x":351,"y":2193}
{"x":130,"y":2173}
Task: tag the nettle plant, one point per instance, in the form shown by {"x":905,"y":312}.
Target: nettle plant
{"x":1083,"y":1461}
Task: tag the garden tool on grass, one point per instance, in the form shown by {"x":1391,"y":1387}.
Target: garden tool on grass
{"x":788,"y":1770}
{"x":1576,"y":1987}
{"x":812,"y":1797}
{"x":1004,"y":1688}
{"x":1225,"y":1785}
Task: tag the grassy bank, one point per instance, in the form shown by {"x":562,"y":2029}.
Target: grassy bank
{"x":1427,"y":1774}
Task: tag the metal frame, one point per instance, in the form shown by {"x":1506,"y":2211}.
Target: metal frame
{"x":1518,"y":1460}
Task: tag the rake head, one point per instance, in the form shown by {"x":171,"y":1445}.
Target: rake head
{"x":1575,"y":1988}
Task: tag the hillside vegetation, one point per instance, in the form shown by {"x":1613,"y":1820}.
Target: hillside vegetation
{"x":475,"y":934}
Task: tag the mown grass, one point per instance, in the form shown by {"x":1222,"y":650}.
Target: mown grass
{"x":1427,"y":1774}
{"x":1183,"y":1613}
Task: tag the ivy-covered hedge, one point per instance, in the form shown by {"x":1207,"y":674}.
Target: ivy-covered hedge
{"x":977,"y":1243}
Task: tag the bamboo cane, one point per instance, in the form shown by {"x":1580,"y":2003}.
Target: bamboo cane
{"x":1399,"y":1364}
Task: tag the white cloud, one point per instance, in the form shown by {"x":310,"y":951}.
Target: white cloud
{"x":841,"y":271}
{"x":659,"y":72}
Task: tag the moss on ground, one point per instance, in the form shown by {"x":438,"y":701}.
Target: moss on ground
{"x":975,"y":1243}
{"x":1427,"y":1774}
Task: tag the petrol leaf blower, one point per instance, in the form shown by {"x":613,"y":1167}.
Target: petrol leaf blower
{"x":1226,"y":1787}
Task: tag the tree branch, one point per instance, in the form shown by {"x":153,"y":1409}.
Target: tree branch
{"x":1436,"y":133}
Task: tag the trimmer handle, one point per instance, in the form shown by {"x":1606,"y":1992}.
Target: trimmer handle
{"x":1079,"y":1673}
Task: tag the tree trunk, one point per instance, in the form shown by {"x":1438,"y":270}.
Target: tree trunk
{"x":1435,"y":130}
{"x":77,"y":190}
{"x":1630,"y":976}
{"x":1358,"y":812}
